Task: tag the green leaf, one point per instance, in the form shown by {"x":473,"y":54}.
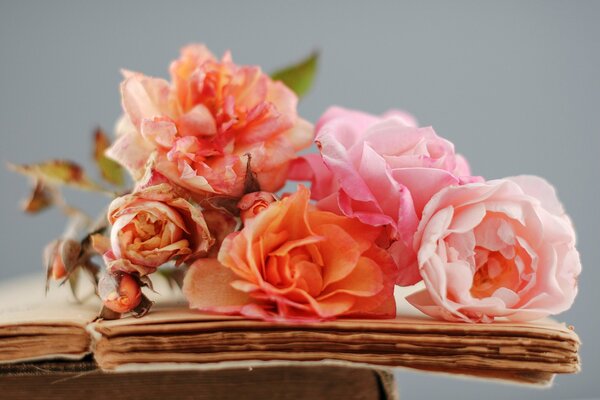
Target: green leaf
{"x":300,"y":76}
{"x":110,"y":170}
{"x":58,"y":172}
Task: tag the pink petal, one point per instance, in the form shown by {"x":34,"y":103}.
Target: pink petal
{"x":423,"y":183}
{"x":310,"y":167}
{"x":199,"y":121}
{"x":144,"y":98}
{"x":130,"y":149}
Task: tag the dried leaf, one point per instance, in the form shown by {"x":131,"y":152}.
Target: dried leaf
{"x":110,"y":170}
{"x":173,"y":276}
{"x":40,"y":199}
{"x":98,"y":243}
{"x":70,"y":252}
{"x":50,"y":252}
{"x":93,"y":270}
{"x":147,"y":282}
{"x":225,"y":204}
{"x":220,"y":225}
{"x":300,"y":76}
{"x":73,"y":279}
{"x":143,"y":308}
{"x":59,"y":172}
{"x":251,"y":184}
{"x":108,"y":314}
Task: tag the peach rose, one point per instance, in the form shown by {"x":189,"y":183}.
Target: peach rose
{"x":382,"y":171}
{"x":153,"y":226}
{"x":294,"y":262}
{"x":204,"y":123}
{"x":503,"y":248}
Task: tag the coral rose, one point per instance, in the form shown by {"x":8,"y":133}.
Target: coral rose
{"x":294,"y":262}
{"x":153,"y":226}
{"x":204,"y":123}
{"x":382,"y":171}
{"x":504,"y":248}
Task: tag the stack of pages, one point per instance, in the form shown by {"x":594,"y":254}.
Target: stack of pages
{"x":173,"y":337}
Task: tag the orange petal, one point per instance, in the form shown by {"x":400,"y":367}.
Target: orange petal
{"x":207,"y":286}
{"x":364,"y":280}
{"x":339,"y":251}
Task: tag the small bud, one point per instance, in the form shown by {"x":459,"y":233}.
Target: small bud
{"x":58,"y":268}
{"x":60,"y":257}
{"x":119,"y":292}
{"x":252,"y":204}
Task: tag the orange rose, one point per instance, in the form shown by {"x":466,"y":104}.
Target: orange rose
{"x":293,"y":261}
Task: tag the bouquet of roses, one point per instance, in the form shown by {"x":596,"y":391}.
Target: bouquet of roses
{"x":388,"y":203}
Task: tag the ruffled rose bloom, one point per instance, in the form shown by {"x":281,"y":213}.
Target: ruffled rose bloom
{"x":294,"y":262}
{"x":382,"y":171}
{"x":153,"y":226}
{"x":504,"y":248}
{"x":204,"y":123}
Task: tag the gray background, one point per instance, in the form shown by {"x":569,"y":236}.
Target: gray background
{"x":514,"y":85}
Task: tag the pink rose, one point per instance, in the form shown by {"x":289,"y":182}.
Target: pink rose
{"x":382,"y":171}
{"x":204,"y":123}
{"x":503,"y":248}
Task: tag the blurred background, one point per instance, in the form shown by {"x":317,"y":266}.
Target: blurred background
{"x":515,"y":85}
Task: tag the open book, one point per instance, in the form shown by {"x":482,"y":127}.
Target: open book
{"x":173,"y":337}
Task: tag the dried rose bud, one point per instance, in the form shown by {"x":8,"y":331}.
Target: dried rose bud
{"x":61,"y":256}
{"x":58,"y":268}
{"x":252,"y":204}
{"x":120,"y":292}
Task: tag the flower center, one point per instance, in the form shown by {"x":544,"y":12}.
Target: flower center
{"x":493,"y":272}
{"x":147,"y":226}
{"x":296,"y":269}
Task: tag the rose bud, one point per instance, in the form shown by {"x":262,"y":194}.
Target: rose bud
{"x":120,"y":292}
{"x":60,"y":257}
{"x":252,"y":204}
{"x":58,"y":268}
{"x":53,"y":261}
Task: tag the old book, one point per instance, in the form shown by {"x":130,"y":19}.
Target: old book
{"x":172,"y":337}
{"x":38,"y":327}
{"x":528,"y":353}
{"x":77,"y":380}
